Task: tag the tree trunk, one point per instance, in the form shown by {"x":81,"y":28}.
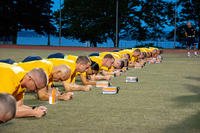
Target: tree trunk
{"x":95,"y":45}
{"x":113,"y":40}
{"x":48,"y":41}
{"x":14,"y":37}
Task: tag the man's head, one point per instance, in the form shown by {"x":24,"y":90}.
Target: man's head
{"x":118,"y":64}
{"x":7,"y":107}
{"x":159,"y":51}
{"x":142,"y":55}
{"x":108,"y":60}
{"x":93,"y":69}
{"x":126,"y":61}
{"x":154,"y":51}
{"x":82,"y":63}
{"x":61,"y":73}
{"x":126,"y":56}
{"x":148,"y":54}
{"x":189,"y":25}
{"x":136,"y":53}
{"x":34,"y":80}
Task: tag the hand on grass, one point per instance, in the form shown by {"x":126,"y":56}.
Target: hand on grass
{"x":40,"y":111}
{"x":66,"y":96}
{"x":88,"y":88}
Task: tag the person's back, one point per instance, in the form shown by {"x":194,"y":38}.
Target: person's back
{"x":47,"y":66}
{"x":10,"y":80}
{"x":190,"y":31}
{"x":71,"y":57}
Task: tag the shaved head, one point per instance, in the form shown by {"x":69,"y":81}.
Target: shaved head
{"x":61,"y":73}
{"x":83,"y":60}
{"x":39,"y":77}
{"x":7,"y":107}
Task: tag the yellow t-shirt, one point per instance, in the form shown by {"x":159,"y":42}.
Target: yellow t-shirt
{"x":71,"y":57}
{"x":114,"y":54}
{"x":127,"y":51}
{"x":98,"y":60}
{"x":152,"y":48}
{"x":147,"y":50}
{"x":134,"y":59}
{"x":47,"y":66}
{"x":143,"y":50}
{"x":70,"y":63}
{"x":10,"y":79}
{"x":117,"y":55}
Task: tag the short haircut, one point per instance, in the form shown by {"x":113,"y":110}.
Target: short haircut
{"x":108,"y":56}
{"x":129,"y":57}
{"x":137,"y":50}
{"x":94,"y":66}
{"x":83,"y":60}
{"x":40,"y":77}
{"x":125,"y":62}
{"x":64,"y":69}
{"x":122,"y":64}
{"x":7,"y":105}
{"x":145,"y":54}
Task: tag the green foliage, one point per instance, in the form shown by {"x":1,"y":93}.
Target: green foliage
{"x":94,"y":21}
{"x":189,"y":11}
{"x":25,"y":14}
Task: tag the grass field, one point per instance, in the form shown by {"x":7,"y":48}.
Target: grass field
{"x":165,"y":100}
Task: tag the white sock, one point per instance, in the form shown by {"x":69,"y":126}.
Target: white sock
{"x":195,"y":53}
{"x":188,"y":53}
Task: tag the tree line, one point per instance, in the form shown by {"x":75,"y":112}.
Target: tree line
{"x":94,"y":21}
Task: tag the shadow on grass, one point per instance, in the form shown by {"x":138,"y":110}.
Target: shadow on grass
{"x":188,"y":125}
{"x":189,"y":98}
{"x":7,"y":124}
{"x":193,"y":78}
{"x":192,"y":123}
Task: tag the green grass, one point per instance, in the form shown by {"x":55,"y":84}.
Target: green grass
{"x":165,"y":100}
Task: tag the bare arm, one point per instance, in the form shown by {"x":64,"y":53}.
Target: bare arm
{"x":114,"y":73}
{"x":75,"y":87}
{"x":85,"y":81}
{"x":26,"y":111}
{"x":101,"y":77}
{"x":43,"y":94}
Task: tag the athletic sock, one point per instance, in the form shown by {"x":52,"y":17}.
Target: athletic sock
{"x":188,"y":54}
